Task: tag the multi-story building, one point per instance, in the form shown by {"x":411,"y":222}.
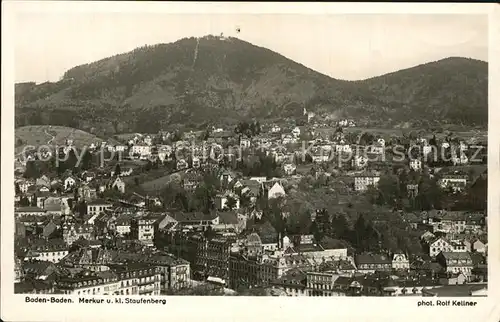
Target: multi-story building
{"x":29,"y":211}
{"x":365,"y":180}
{"x":90,"y":283}
{"x":400,"y":262}
{"x":370,"y":263}
{"x":456,"y":182}
{"x":50,"y":252}
{"x":73,"y":232}
{"x":97,"y":206}
{"x":293,"y":282}
{"x":143,"y":229}
{"x":174,"y":272}
{"x":456,"y":262}
{"x":138,"y":279}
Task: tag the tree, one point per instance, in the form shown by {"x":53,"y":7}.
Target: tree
{"x":72,"y":160}
{"x":32,"y":171}
{"x":17,"y":188}
{"x":340,"y":227}
{"x":87,"y":160}
{"x":24,"y":201}
{"x":118,"y":170}
{"x":389,"y":189}
{"x":230,"y":203}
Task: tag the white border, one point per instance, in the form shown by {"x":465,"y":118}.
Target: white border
{"x":240,"y":308}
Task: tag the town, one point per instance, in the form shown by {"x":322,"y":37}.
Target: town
{"x":291,"y":208}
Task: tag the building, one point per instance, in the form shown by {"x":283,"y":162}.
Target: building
{"x":456,"y":182}
{"x":143,"y":228}
{"x":122,"y":224}
{"x":289,"y":168}
{"x":97,"y":206}
{"x":293,"y":282}
{"x":141,"y":150}
{"x":194,"y":220}
{"x":370,"y":263}
{"x":73,"y":232}
{"x":416,"y":164}
{"x":118,"y":184}
{"x":29,"y":211}
{"x":456,"y":262}
{"x":51,"y":251}
{"x":90,"y":283}
{"x":438,"y":245}
{"x":175,"y":272}
{"x":222,"y":201}
{"x":400,"y":262}
{"x":365,"y":180}
{"x":138,"y":279}
{"x":276,"y":191}
{"x":359,"y":161}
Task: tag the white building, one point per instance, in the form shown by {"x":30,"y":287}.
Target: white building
{"x":276,"y":191}
{"x":416,"y":164}
{"x":400,"y":262}
{"x":363,"y":181}
{"x":141,"y":150}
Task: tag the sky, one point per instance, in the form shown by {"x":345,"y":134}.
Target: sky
{"x":343,"y":46}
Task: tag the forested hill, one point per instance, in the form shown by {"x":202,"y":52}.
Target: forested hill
{"x":196,"y":81}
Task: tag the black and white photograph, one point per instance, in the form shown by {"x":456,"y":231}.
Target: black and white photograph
{"x":159,"y":155}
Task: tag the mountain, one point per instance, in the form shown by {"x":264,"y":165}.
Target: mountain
{"x":453,"y":90}
{"x":196,"y":81}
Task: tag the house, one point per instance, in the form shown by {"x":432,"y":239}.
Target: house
{"x":416,"y":164}
{"x":73,"y":232}
{"x":377,"y":149}
{"x":366,"y":179}
{"x":359,"y":161}
{"x":231,"y":221}
{"x":196,"y":162}
{"x":456,"y":182}
{"x":479,"y":246}
{"x":143,"y":228}
{"x":29,"y":211}
{"x":275,"y":129}
{"x":118,"y":184}
{"x":140,"y":150}
{"x":452,"y":279}
{"x":439,"y":245}
{"x":245,"y":142}
{"x":454,"y":262}
{"x":52,"y":250}
{"x":194,"y":220}
{"x":43,"y":181}
{"x":122,"y":224}
{"x":370,"y":263}
{"x":427,"y":237}
{"x":255,"y":214}
{"x":289,"y":168}
{"x":191,"y":181}
{"x":451,"y":222}
{"x":88,"y":176}
{"x":54,"y":205}
{"x":412,"y":190}
{"x":276,"y":191}
{"x":222,"y":201}
{"x":24,"y":185}
{"x":86,"y":193}
{"x":181,"y":164}
{"x":97,"y":206}
{"x":225,"y":177}
{"x":400,"y":262}
{"x":343,"y":148}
